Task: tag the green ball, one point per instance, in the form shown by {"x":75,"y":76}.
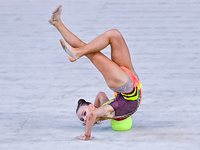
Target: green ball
{"x":122,"y":125}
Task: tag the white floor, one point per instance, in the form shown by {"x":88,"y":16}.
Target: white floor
{"x":39,"y":87}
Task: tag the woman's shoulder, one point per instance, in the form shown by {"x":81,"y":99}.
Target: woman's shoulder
{"x":106,"y":112}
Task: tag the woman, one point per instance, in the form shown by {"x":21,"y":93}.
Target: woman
{"x":118,"y":73}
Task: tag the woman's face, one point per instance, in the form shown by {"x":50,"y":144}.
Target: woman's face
{"x":83,"y":112}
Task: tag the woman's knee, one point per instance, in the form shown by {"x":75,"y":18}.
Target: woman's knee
{"x":113,"y":33}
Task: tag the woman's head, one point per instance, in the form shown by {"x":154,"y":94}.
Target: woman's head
{"x":83,"y":109}
{"x":82,"y":102}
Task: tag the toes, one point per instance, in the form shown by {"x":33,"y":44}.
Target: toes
{"x":59,"y":8}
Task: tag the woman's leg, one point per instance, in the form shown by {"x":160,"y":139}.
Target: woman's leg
{"x":114,"y":76}
{"x":119,"y":50}
{"x":69,"y":37}
{"x":112,"y":73}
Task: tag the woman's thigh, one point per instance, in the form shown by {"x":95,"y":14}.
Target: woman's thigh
{"x":119,"y":50}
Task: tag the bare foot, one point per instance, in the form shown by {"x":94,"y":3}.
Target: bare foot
{"x":69,"y":50}
{"x":71,"y":59}
{"x":56,"y":15}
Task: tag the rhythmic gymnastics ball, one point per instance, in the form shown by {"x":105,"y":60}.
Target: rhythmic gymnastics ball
{"x":122,"y":125}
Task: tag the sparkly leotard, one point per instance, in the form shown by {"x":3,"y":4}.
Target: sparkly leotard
{"x":125,"y":104}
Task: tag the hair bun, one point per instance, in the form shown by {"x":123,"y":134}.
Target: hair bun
{"x":81,"y":101}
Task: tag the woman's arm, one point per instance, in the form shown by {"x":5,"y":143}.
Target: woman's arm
{"x":101,"y":98}
{"x":89,"y":125}
{"x":104,"y":112}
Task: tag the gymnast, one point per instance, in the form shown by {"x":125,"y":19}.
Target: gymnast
{"x":118,"y":73}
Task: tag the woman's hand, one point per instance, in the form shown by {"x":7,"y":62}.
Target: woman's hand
{"x":83,"y":137}
{"x":84,"y":124}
